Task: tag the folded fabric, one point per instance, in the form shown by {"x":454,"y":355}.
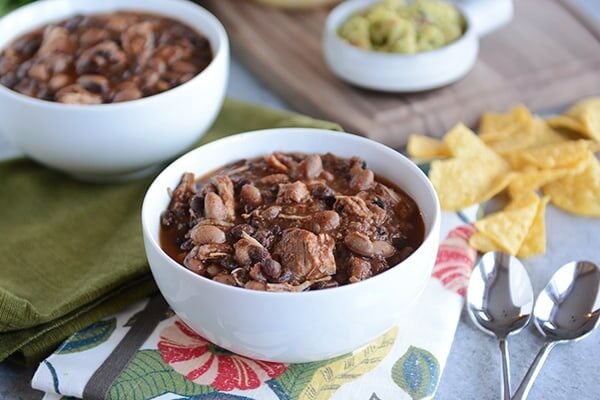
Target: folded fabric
{"x":147,"y":352}
{"x":72,"y":253}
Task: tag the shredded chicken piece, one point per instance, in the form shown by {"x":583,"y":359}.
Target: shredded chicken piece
{"x":307,"y":255}
{"x":225,"y":189}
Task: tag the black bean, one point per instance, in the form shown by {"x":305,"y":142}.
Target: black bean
{"x":379,"y":203}
{"x":271,"y":268}
{"x":228,"y":262}
{"x":73,"y":23}
{"x":330,"y":201}
{"x":258,"y":254}
{"x":9,"y":80}
{"x":324,"y":285}
{"x":286,"y":276}
{"x":276,"y":230}
{"x":197,"y":206}
{"x":187,"y":245}
{"x":235,"y":233}
{"x":265,"y":237}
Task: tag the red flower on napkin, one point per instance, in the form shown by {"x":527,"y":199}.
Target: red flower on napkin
{"x":455,"y":260}
{"x":207,"y":364}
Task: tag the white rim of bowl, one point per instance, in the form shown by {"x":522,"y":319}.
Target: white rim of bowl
{"x":342,"y":135}
{"x":215,"y":24}
{"x":349,"y":7}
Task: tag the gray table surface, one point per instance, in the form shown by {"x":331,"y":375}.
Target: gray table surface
{"x":473,"y":369}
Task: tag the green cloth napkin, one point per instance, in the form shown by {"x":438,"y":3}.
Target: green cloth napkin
{"x":72,"y":253}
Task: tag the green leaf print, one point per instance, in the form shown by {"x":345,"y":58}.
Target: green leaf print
{"x":147,"y":376}
{"x":319,"y":380}
{"x":417,"y":372}
{"x":293,"y":381}
{"x":89,"y":337}
{"x":329,"y":378}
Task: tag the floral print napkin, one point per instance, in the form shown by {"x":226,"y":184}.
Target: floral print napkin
{"x":147,"y":352}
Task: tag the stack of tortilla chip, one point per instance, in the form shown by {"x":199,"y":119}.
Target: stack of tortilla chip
{"x":523,"y":154}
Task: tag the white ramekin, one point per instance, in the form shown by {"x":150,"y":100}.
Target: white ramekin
{"x":293,"y":327}
{"x":121,"y":140}
{"x":389,"y":72}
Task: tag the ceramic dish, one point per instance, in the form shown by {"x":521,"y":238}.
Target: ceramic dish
{"x":389,"y":72}
{"x":293,"y":327}
{"x":120,"y":140}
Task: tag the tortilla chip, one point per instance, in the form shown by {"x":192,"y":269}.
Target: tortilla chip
{"x":509,"y":228}
{"x":535,"y":241}
{"x":564,"y":155}
{"x":565,"y":122}
{"x":587,"y":113}
{"x":426,"y":148}
{"x":501,"y":126}
{"x":512,"y":144}
{"x":530,"y":181}
{"x":483,"y":243}
{"x":474,"y":175}
{"x":536,"y":132}
{"x":578,"y":193}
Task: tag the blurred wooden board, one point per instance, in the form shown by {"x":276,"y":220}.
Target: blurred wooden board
{"x":548,"y":56}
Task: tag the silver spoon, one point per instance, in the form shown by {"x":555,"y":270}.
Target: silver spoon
{"x":568,"y":309}
{"x":499,"y":301}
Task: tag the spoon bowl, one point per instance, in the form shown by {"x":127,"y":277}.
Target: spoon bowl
{"x":561,"y":317}
{"x":500,"y":296}
{"x":500,"y":302}
{"x":567,"y":310}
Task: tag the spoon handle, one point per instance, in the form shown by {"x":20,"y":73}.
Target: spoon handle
{"x":505,"y":369}
{"x":533,"y":371}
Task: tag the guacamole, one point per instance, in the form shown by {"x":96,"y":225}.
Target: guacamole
{"x":396,"y":26}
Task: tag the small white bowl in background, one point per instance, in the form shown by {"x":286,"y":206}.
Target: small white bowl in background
{"x":391,"y":72}
{"x":122,"y":140}
{"x":293,"y":327}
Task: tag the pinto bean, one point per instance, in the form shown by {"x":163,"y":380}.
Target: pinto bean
{"x":92,"y":36}
{"x":256,"y":273}
{"x":59,"y":81}
{"x":271,"y":213}
{"x":127,"y":94}
{"x":360,"y":269}
{"x":39,"y":72}
{"x":362,"y":180}
{"x":254,"y":285}
{"x":324,"y":221}
{"x":98,"y":57}
{"x":169,"y":54}
{"x":138,"y":41}
{"x":214,"y":207}
{"x":58,"y":63}
{"x":311,"y":166}
{"x":271,"y":268}
{"x":193,"y":263}
{"x":359,"y":243}
{"x":383,"y":248}
{"x":225,"y":278}
{"x":76,"y":94}
{"x":251,"y":195}
{"x":56,"y":39}
{"x":204,"y":234}
{"x":184,"y":67}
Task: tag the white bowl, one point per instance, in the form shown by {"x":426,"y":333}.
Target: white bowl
{"x":293,"y":327}
{"x":390,"y":72}
{"x":121,"y":140}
